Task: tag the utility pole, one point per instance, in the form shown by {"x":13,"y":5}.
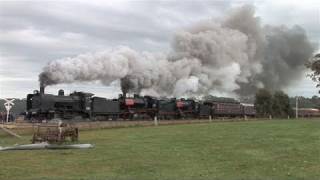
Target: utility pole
{"x":297,"y":115}
{"x":155,"y":120}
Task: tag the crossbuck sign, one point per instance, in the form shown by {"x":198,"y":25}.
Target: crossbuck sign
{"x":8,"y":105}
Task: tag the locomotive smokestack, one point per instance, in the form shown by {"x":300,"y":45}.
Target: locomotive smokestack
{"x":125,"y":85}
{"x":41,"y":89}
{"x":61,"y":92}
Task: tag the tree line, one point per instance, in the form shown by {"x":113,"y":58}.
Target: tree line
{"x":275,"y":104}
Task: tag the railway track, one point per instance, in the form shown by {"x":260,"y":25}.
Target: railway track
{"x":86,"y":125}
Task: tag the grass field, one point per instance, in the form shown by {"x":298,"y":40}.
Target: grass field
{"x":284,"y":149}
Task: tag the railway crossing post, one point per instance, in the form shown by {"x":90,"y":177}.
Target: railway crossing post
{"x":8,"y":105}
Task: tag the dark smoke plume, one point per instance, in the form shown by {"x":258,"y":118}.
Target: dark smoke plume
{"x":232,"y":56}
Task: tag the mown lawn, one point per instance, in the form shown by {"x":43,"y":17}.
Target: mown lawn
{"x":283,"y":149}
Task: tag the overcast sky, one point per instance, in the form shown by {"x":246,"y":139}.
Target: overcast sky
{"x":33,"y":33}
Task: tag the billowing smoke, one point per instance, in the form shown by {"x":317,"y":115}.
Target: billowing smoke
{"x":234,"y":56}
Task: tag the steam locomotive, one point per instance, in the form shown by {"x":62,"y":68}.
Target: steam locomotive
{"x":81,"y":105}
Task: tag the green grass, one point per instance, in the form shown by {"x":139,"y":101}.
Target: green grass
{"x":286,"y":149}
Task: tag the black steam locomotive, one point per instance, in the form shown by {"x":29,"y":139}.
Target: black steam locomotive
{"x":48,"y":106}
{"x":80,"y":105}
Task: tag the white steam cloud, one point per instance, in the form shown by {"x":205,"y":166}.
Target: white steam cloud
{"x":235,"y":55}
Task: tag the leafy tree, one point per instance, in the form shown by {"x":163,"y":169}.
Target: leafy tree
{"x":315,"y":100}
{"x":277,"y":105}
{"x":314,"y":66}
{"x":263,"y":102}
{"x":281,"y":105}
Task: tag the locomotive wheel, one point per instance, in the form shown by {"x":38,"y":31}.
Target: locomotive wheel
{"x":115,"y":117}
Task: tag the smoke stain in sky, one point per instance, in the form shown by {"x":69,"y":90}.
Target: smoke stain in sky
{"x":234,"y":55}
